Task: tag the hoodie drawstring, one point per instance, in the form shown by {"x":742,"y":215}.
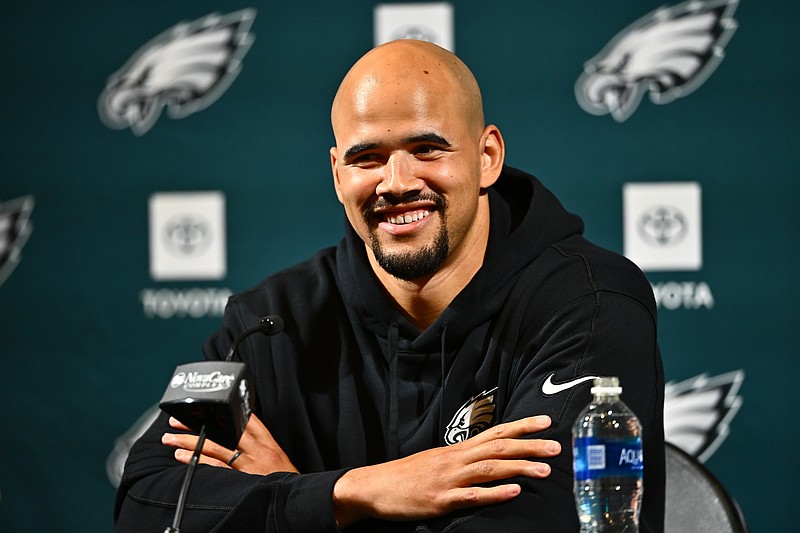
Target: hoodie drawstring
{"x":393,"y":447}
{"x":442,"y":421}
{"x":394,"y":386}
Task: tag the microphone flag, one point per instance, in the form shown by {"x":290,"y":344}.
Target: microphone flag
{"x":214,"y":393}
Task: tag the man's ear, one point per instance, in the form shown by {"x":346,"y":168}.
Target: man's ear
{"x":335,"y":171}
{"x":493,"y":154}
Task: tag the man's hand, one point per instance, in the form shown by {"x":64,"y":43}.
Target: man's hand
{"x":435,"y":482}
{"x":260,"y":454}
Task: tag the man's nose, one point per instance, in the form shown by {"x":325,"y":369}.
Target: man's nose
{"x":399,"y":177}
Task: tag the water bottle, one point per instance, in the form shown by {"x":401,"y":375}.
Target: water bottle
{"x":607,"y":451}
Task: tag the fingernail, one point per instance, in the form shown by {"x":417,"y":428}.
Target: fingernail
{"x":552,"y":447}
{"x":543,"y":419}
{"x":542,"y":469}
{"x":167,"y":438}
{"x":182,"y":455}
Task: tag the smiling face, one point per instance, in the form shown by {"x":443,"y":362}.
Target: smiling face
{"x":412,"y":158}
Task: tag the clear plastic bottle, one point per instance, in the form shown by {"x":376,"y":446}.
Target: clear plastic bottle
{"x":608,"y":462}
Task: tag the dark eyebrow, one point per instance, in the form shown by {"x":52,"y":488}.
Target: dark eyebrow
{"x":429,"y":137}
{"x":357,"y":148}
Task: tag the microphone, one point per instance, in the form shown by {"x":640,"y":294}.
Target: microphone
{"x":212,"y":398}
{"x":269,"y":325}
{"x":216,"y":394}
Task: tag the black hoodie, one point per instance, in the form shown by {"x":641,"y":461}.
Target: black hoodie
{"x":351,"y":382}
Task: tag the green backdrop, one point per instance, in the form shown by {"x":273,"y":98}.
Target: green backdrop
{"x":83,"y":356}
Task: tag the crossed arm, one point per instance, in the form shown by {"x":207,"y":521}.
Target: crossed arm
{"x":427,"y":484}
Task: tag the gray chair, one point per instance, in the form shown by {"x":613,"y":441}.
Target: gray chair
{"x":696,"y":502}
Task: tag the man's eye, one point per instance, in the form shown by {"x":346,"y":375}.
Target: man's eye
{"x":425,"y":149}
{"x":364,"y":159}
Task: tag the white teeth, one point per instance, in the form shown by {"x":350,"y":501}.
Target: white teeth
{"x":408,"y":217}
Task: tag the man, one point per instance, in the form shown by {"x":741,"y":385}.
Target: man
{"x":412,"y":388}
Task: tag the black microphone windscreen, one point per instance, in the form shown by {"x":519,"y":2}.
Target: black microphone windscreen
{"x":277,"y":324}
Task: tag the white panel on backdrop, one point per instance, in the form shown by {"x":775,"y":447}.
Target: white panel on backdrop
{"x":427,"y":22}
{"x":187,"y":235}
{"x":662,"y":225}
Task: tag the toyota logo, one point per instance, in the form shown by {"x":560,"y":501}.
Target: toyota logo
{"x":187,"y":235}
{"x":663,"y":225}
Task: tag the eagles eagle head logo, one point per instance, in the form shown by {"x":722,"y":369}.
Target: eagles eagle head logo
{"x":477,"y":414}
{"x":698,"y":412}
{"x":185,"y":69}
{"x":15,"y":228}
{"x":670,"y":52}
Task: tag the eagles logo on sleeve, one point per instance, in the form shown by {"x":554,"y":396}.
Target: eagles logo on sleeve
{"x":185,"y":69}
{"x":670,"y":52}
{"x":477,"y":414}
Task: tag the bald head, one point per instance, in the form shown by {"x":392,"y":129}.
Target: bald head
{"x":412,"y":164}
{"x":414,"y":70}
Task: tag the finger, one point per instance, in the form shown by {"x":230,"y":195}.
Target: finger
{"x":189,"y":443}
{"x":179,"y":440}
{"x":473,"y":496}
{"x":177,"y":424}
{"x":496,"y":469}
{"x":514,"y":449}
{"x":184,"y":456}
{"x":517,"y":428}
{"x":256,"y":433}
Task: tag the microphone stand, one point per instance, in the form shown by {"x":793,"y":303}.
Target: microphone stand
{"x":187,"y":481}
{"x":269,"y":325}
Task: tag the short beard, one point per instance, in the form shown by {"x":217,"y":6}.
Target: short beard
{"x":417,"y":264}
{"x":414,"y":265}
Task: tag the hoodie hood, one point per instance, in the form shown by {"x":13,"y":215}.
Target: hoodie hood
{"x":525,"y":218}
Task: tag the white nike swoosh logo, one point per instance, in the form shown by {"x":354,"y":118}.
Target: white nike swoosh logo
{"x":549,"y":388}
